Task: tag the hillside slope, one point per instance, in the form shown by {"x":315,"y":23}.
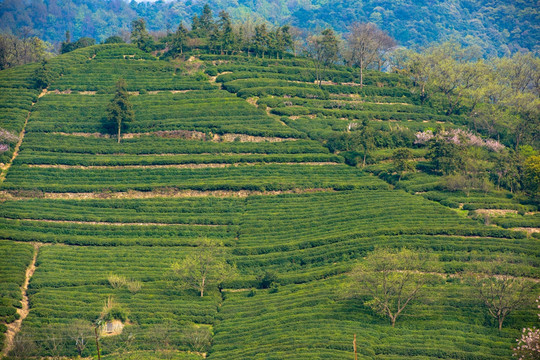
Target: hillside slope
{"x":239,"y":158}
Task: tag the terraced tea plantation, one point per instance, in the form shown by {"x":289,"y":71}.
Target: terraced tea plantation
{"x":234,"y":150}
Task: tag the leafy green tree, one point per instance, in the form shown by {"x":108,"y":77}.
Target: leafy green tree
{"x":391,"y":279}
{"x":115,"y":39}
{"x":329,"y":46}
{"x":507,"y":171}
{"x":179,"y":40}
{"x":225,"y":31}
{"x":532,"y":175}
{"x":207,"y":266}
{"x":261,"y":40}
{"x":445,"y":155}
{"x":43,"y":76}
{"x":502,"y":294}
{"x":418,"y":67}
{"x":140,"y":36}
{"x":284,"y":40}
{"x":364,"y":138}
{"x":120,"y":110}
{"x":206,"y":20}
{"x":403,"y":163}
{"x":15,"y":51}
{"x":81,"y":43}
{"x":324,"y":49}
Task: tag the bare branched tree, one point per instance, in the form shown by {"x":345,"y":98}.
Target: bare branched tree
{"x":367,"y":44}
{"x":391,"y":279}
{"x":206,"y":266}
{"x":502,"y":294}
{"x":80,"y":333}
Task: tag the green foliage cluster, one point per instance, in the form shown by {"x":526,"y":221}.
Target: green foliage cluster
{"x":495,"y":25}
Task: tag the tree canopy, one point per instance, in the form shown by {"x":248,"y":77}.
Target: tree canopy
{"x":120,"y":110}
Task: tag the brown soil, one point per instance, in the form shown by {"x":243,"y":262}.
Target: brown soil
{"x":186,"y":134}
{"x":179,"y":166}
{"x":15,"y":327}
{"x":170,"y":166}
{"x":161,"y":193}
{"x":528,"y":230}
{"x":113,"y":223}
{"x":495,"y":212}
{"x":251,"y":138}
{"x":458,"y":275}
{"x":253,"y":101}
{"x":235,"y":290}
{"x":118,"y":327}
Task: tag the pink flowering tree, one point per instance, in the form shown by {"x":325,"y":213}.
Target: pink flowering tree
{"x":459,"y":137}
{"x":528,"y":347}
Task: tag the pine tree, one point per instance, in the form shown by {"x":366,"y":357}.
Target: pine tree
{"x":120,"y":110}
{"x":140,"y":36}
{"x":179,"y":40}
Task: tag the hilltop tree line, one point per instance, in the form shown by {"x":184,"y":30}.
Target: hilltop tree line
{"x":497,"y":26}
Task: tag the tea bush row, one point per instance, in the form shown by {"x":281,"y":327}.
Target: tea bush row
{"x":49,"y":144}
{"x":247,"y":177}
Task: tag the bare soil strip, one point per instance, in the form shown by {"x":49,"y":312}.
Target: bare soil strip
{"x":90,"y":92}
{"x":15,"y":327}
{"x":162,"y":193}
{"x":495,"y":212}
{"x":6,"y":167}
{"x":528,"y":230}
{"x":114,"y":223}
{"x":178,"y":166}
{"x":185,"y":134}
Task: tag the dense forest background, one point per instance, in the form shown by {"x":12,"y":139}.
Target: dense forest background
{"x":500,"y":27}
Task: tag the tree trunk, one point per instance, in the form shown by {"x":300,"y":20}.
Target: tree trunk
{"x":97,"y":343}
{"x":393,"y":320}
{"x":202,"y":287}
{"x":361,"y":73}
{"x":119,"y":128}
{"x":501,"y":320}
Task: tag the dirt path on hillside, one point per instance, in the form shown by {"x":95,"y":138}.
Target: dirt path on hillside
{"x":176,"y":166}
{"x":14,"y":328}
{"x":6,"y":167}
{"x":116,"y":223}
{"x":161,"y":193}
{"x":185,"y":134}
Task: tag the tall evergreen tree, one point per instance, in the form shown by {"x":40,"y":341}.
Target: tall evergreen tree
{"x":179,"y":40}
{"x":226,"y":34}
{"x":261,"y":39}
{"x":120,"y":110}
{"x":140,"y":36}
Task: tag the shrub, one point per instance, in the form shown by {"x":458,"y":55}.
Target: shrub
{"x":134,"y":286}
{"x":117,"y":281}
